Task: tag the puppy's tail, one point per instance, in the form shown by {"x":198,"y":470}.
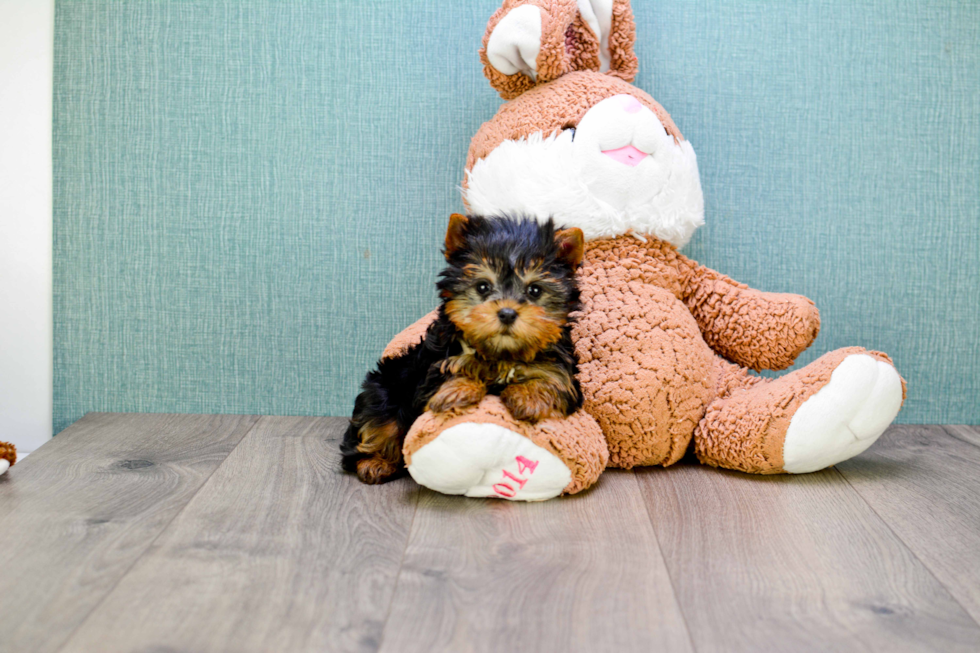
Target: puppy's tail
{"x":349,"y":455}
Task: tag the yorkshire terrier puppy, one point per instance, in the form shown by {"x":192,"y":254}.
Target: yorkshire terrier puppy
{"x":503,"y":328}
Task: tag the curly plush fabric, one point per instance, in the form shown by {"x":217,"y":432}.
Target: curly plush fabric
{"x":560,"y":104}
{"x":552,"y":60}
{"x":760,"y":330}
{"x":410,"y":337}
{"x":567,"y":45}
{"x":645,"y":371}
{"x":623,"y":61}
{"x":745,"y":427}
{"x":8,"y":452}
{"x":581,"y":46}
{"x":576,"y":440}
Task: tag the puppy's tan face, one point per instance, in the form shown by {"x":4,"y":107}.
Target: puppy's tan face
{"x":504,"y":310}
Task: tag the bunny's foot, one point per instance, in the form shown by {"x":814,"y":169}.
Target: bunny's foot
{"x":810,"y":419}
{"x":487,"y":453}
{"x":845,"y":417}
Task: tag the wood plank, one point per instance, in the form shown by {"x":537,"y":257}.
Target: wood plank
{"x":279,"y":551}
{"x":794,"y":563}
{"x":925,"y":484}
{"x":970,"y":434}
{"x":77,"y":513}
{"x":582,"y":573}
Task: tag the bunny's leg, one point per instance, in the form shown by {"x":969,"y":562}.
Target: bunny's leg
{"x":487,"y":453}
{"x":807,"y":420}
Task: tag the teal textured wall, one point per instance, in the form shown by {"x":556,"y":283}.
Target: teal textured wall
{"x":250,"y":196}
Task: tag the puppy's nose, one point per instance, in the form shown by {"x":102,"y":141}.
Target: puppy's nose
{"x":507,"y":316}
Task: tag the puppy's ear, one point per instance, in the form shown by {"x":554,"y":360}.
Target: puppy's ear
{"x":571,"y":246}
{"x":456,"y":234}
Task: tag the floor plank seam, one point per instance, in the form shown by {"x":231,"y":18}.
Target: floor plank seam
{"x":907,"y":546}
{"x":956,"y":436}
{"x":673,"y":587}
{"x":401,"y":564}
{"x":149,"y":545}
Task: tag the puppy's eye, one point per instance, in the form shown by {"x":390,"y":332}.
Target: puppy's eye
{"x":484,"y":288}
{"x":534,"y":291}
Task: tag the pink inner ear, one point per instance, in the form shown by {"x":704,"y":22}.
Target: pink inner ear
{"x":628,"y":155}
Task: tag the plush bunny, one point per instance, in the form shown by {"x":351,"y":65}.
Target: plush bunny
{"x":8,"y":456}
{"x":665,"y":345}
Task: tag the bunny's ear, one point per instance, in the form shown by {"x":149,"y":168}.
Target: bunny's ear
{"x":524,"y":44}
{"x":530,"y":42}
{"x":618,"y":45}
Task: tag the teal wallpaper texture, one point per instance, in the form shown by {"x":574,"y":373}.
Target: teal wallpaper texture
{"x":250,"y":196}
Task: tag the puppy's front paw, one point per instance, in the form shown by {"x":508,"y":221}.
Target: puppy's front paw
{"x":457,"y":394}
{"x":376,"y":470}
{"x":529,"y":402}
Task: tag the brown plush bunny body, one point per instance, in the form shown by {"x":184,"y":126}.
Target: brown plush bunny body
{"x":665,"y":345}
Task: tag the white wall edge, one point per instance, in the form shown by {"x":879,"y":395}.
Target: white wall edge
{"x":26,"y":355}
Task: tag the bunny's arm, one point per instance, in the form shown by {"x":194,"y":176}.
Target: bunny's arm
{"x":759,"y":330}
{"x":410,"y":337}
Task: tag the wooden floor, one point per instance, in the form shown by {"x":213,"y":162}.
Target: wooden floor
{"x":232,"y":533}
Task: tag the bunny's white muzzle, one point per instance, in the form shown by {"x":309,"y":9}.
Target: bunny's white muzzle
{"x":617,"y":172}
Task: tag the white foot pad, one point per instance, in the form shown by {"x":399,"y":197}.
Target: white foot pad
{"x":4,"y":465}
{"x":845,"y":417}
{"x":486,"y":460}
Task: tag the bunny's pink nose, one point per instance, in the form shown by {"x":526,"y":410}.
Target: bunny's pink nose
{"x":629,"y":155}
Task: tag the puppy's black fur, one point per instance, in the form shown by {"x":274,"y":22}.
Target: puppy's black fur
{"x":530,"y":270}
